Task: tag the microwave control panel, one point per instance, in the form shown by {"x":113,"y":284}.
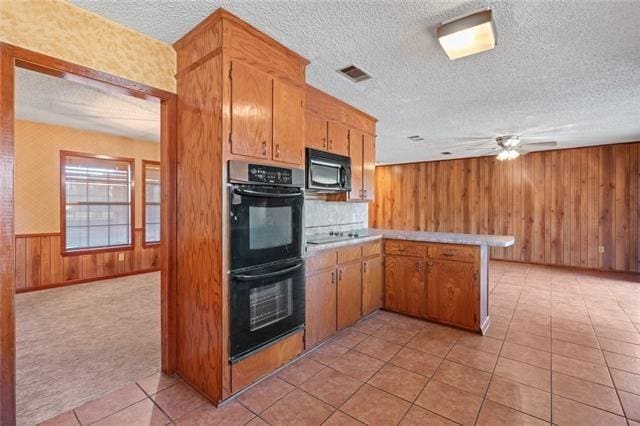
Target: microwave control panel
{"x":259,"y":173}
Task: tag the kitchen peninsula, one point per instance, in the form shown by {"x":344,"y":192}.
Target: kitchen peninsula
{"x":442,"y":277}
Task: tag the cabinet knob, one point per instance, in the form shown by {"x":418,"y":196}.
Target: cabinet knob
{"x":333,"y":278}
{"x":324,"y":142}
{"x":364,"y":191}
{"x":420,"y":266}
{"x":339,"y":274}
{"x":330,"y":144}
{"x":364,"y":266}
{"x":277,"y":150}
{"x":264,"y":147}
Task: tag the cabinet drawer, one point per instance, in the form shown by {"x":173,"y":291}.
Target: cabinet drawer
{"x":371,"y":249}
{"x":324,"y":259}
{"x":404,"y":248}
{"x":350,"y":253}
{"x":453,"y":252}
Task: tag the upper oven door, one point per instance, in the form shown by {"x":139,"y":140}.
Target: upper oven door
{"x":266,"y":224}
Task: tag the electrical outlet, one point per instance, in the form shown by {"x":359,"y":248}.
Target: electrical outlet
{"x":600,"y":249}
{"x":120,"y":257}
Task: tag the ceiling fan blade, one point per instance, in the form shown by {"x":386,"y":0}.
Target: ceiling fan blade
{"x":540,"y":144}
{"x":486,"y":148}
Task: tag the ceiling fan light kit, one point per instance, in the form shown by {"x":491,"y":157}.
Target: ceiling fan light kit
{"x":508,"y":154}
{"x":468,"y":35}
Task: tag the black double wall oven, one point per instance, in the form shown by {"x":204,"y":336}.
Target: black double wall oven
{"x":267,"y":267}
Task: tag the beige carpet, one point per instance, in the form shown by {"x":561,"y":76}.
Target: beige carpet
{"x":77,"y":343}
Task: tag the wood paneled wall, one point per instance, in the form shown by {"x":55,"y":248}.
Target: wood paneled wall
{"x":561,"y":205}
{"x":39,"y":263}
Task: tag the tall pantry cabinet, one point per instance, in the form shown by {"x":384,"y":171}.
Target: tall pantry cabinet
{"x":241,"y":95}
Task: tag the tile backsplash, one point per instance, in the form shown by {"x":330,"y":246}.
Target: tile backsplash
{"x":325,"y":216}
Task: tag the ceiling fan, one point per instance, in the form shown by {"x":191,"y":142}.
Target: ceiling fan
{"x":511,"y":147}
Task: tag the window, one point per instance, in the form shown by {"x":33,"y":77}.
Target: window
{"x":151,"y":201}
{"x":97,"y":195}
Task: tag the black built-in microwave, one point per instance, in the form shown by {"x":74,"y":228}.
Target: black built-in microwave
{"x":327,"y":172}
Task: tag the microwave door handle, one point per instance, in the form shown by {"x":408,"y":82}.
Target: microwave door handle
{"x":268,"y":274}
{"x":343,"y":176}
{"x":253,"y":193}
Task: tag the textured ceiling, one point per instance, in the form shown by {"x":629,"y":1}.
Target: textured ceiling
{"x":52,"y":100}
{"x":563,"y":70}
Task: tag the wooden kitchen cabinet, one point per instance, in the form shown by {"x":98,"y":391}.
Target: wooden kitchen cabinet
{"x":251,"y":111}
{"x":372,"y":284}
{"x":349,"y":293}
{"x":368,"y":166}
{"x":405,"y":284}
{"x":321,"y":309}
{"x":355,"y":152}
{"x":288,"y":123}
{"x":453,"y":293}
{"x":315,"y":131}
{"x":338,"y":138}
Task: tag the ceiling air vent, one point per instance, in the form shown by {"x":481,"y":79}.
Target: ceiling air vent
{"x":416,"y":138}
{"x":354,"y":73}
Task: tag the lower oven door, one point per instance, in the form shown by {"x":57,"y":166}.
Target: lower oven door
{"x":267,"y":303}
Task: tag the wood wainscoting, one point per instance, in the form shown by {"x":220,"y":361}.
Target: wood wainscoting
{"x":40,"y":264}
{"x":560,"y":205}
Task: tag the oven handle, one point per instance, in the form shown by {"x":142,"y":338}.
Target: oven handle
{"x":268,"y":274}
{"x":252,"y":193}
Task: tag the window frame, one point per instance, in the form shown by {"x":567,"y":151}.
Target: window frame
{"x":146,"y":244}
{"x":63,"y":198}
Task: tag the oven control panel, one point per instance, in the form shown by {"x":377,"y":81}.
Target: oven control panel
{"x":264,"y":174}
{"x":259,"y":173}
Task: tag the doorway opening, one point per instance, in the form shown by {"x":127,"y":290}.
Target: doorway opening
{"x":86,"y":292}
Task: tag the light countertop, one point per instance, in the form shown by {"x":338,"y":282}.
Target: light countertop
{"x":373,"y":234}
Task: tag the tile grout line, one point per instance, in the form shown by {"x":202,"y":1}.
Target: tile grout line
{"x":484,"y":398}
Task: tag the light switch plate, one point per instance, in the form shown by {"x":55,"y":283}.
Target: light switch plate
{"x":120,"y":257}
{"x":600,"y":249}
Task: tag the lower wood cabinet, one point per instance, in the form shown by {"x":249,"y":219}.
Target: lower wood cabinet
{"x":453,"y":298}
{"x":320,"y":306}
{"x":342,"y":286}
{"x":436,"y":281}
{"x":372,"y":284}
{"x":349,"y":293}
{"x":405,"y":285}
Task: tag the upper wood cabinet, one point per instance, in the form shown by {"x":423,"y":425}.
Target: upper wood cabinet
{"x":251,"y":111}
{"x":338,"y":138}
{"x":368,"y":166}
{"x":288,"y":123}
{"x":267,"y":116}
{"x":315,"y":131}
{"x":355,"y":152}
{"x":453,"y":289}
{"x":405,"y":284}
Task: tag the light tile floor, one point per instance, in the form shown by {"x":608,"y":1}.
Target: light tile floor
{"x":563,"y":347}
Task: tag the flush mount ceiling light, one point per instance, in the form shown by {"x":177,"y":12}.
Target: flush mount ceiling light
{"x":468,"y":35}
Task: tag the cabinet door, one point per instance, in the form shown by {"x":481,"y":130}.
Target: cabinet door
{"x":404,"y":285}
{"x":454,"y":296}
{"x":372,"y":293}
{"x":320,"y":307}
{"x":338,"y":138}
{"x":368,"y":166}
{"x":349,"y":293}
{"x":251,"y":108}
{"x":315,"y":131}
{"x":288,"y":123}
{"x":355,"y":152}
